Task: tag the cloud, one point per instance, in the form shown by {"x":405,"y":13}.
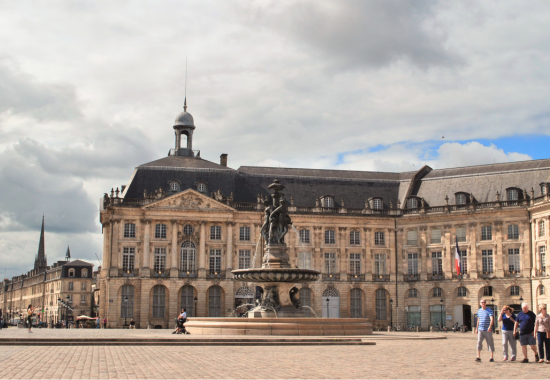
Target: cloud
{"x":473,"y":153}
{"x":359,"y":33}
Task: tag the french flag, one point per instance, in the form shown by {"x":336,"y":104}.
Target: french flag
{"x":458,"y":261}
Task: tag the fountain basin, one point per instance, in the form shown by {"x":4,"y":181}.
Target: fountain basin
{"x":276,"y":275}
{"x":280,"y":326}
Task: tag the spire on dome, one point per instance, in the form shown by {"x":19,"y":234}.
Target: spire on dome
{"x":185,"y":104}
{"x":68,"y":254}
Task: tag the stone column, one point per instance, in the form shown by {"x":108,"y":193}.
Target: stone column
{"x":343,"y":253}
{"x":391,"y":255}
{"x":145,"y":270}
{"x":113,"y":269}
{"x":500,"y":259}
{"x":402,"y":268}
{"x":317,"y":259}
{"x":472,"y":255}
{"x":424,"y":260}
{"x":107,"y":226}
{"x":202,"y":252}
{"x":229,"y":251}
{"x":367,"y":232}
{"x":527,"y":267}
{"x":174,"y":251}
{"x":449,"y":259}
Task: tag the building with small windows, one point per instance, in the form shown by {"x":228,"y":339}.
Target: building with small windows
{"x":43,"y":285}
{"x":387,"y":244}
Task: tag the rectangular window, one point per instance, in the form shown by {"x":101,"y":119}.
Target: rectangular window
{"x":304,"y":260}
{"x":129,"y":230}
{"x":71,"y":285}
{"x":215,"y":261}
{"x":513,"y":260}
{"x":354,"y":238}
{"x":215,"y":232}
{"x":486,"y":233}
{"x":330,"y":237}
{"x":380,"y":264}
{"x":412,"y":237}
{"x":160,"y":231}
{"x":160,"y":260}
{"x":487,"y":261}
{"x":82,"y":286}
{"x":413,"y":264}
{"x":330,"y":263}
{"x":244,"y":234}
{"x":436,"y":236}
{"x":437,"y":263}
{"x":304,"y":237}
{"x":83,"y":298}
{"x":513,"y":231}
{"x":355,"y":264}
{"x":464,"y":259}
{"x":379,"y":238}
{"x":128,"y":259}
{"x":542,"y":255}
{"x":244,"y":259}
{"x":461,"y":234}
{"x":542,"y":229}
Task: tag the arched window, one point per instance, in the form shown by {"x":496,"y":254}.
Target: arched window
{"x":377,"y":204}
{"x":328,"y":201}
{"x":187,"y":299}
{"x":542,"y":228}
{"x":355,"y":303}
{"x":159,"y":301}
{"x":514,"y":290}
{"x":84,"y":273}
{"x":201,"y":187}
{"x":512,"y":194}
{"x":127,"y":301}
{"x":487,"y":291}
{"x":412,"y":203}
{"x":331,"y":303}
{"x":305,"y":300}
{"x":214,"y":301}
{"x":71,"y":272}
{"x":187,"y":257}
{"x":413,"y":293}
{"x":437,"y":293}
{"x":381,"y":304}
{"x":461,"y":292}
{"x":174,"y":186}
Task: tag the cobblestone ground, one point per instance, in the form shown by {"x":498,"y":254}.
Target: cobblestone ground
{"x":390,"y":358}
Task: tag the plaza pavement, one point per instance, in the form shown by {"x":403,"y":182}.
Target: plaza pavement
{"x":391,"y":357}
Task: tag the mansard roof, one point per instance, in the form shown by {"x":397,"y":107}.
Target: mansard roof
{"x":174,"y":162}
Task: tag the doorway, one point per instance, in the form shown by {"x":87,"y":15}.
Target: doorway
{"x":331,"y":303}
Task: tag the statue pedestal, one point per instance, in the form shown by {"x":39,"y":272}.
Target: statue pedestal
{"x":276,"y":256}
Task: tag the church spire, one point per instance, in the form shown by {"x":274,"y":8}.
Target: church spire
{"x":68,"y":254}
{"x":40,"y":261}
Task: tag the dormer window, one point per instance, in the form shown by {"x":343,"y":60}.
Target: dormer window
{"x":460,"y":198}
{"x":174,"y":185}
{"x":377,"y":204}
{"x":201,"y":187}
{"x":543,"y":188}
{"x":512,"y":194}
{"x":84,"y":273}
{"x":328,"y":201}
{"x":412,"y":203}
{"x":71,"y":272}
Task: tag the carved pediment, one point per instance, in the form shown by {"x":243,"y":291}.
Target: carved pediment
{"x":189,"y":200}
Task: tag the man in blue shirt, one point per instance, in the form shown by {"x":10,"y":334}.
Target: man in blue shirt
{"x":526,"y":321}
{"x":485,"y":320}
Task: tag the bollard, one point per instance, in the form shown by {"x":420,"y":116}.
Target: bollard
{"x":417,"y":328}
{"x":389,"y":328}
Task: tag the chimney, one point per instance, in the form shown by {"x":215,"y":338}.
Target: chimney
{"x":223,"y":159}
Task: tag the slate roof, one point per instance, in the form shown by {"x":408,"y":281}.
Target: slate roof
{"x":354,"y":187}
{"x":78,"y":263}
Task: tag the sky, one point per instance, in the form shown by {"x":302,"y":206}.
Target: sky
{"x":90,"y":89}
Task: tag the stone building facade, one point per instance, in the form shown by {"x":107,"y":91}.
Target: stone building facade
{"x":384,"y":242}
{"x":43,"y":285}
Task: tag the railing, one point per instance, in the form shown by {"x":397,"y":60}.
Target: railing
{"x":162,"y":273}
{"x":411,"y":277}
{"x":381,"y":277}
{"x":487,"y":274}
{"x":356,"y":277}
{"x":220,"y":275}
{"x":436,"y":276}
{"x":512,"y":273}
{"x":245,"y":206}
{"x":187,"y":274}
{"x":540,"y":272}
{"x":128,"y":273}
{"x":461,"y":276}
{"x":330,"y":276}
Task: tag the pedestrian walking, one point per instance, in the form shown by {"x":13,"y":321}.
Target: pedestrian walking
{"x":508,"y":321}
{"x":98,"y":323}
{"x":485,"y":321}
{"x":542,"y":327}
{"x":526,"y":322}
{"x":30,"y":311}
{"x":105,"y":322}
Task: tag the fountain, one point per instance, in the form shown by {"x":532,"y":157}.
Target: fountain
{"x":280,"y":312}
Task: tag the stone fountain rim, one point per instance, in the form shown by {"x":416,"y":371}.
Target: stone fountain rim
{"x":276,"y":270}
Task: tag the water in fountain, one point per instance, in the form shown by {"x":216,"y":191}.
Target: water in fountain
{"x":297,"y":235}
{"x":256,"y":252}
{"x":244,"y":304}
{"x":313,"y":311}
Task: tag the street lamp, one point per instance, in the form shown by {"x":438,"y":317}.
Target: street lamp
{"x":195,"y":299}
{"x":391,"y":312}
{"x":328,"y":312}
{"x":441,"y":311}
{"x":125,"y":308}
{"x":67,"y":313}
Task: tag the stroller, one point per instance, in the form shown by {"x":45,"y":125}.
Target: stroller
{"x":180,"y":329}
